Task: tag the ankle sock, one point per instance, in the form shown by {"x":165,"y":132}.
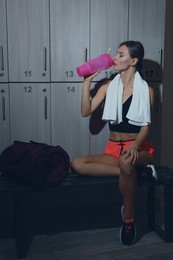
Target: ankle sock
{"x":129,"y":220}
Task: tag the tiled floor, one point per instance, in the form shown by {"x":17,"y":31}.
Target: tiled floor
{"x":97,"y":244}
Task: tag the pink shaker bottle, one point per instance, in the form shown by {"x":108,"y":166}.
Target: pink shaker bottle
{"x":102,"y":62}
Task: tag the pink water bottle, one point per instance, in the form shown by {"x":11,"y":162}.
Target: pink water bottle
{"x":102,"y":62}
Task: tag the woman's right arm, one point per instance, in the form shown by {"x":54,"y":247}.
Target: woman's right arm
{"x":88,"y":105}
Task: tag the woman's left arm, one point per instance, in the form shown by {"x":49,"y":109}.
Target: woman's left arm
{"x":151,"y":91}
{"x":131,"y":154}
{"x":144,"y":131}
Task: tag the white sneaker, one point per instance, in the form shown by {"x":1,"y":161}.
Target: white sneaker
{"x":154,"y":173}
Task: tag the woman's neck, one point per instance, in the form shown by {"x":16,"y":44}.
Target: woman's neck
{"x":127,"y":78}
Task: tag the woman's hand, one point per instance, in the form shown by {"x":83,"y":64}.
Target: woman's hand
{"x":130,"y":154}
{"x":91,"y":77}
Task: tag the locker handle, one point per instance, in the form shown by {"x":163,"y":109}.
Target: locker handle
{"x":2,"y":57}
{"x":3,"y":108}
{"x":86,"y":54}
{"x":45,"y":58}
{"x":161,"y":58}
{"x":45,"y":107}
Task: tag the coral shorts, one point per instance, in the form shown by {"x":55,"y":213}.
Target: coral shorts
{"x":115,"y":148}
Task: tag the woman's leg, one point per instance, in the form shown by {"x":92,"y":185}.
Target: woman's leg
{"x":128,"y":182}
{"x":96,"y":165}
{"x":127,"y":186}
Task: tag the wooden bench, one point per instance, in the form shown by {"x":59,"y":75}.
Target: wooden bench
{"x":83,"y":184}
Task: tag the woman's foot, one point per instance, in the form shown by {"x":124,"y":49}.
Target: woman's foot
{"x":127,"y":231}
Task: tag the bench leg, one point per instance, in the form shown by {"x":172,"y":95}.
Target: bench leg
{"x":165,"y":232}
{"x":20,"y":224}
{"x":168,"y":213}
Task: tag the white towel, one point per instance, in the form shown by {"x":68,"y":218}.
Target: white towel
{"x":139,"y":110}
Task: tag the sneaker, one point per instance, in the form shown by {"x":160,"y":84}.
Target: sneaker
{"x":127,"y":231}
{"x":148,"y":172}
{"x":154,"y":173}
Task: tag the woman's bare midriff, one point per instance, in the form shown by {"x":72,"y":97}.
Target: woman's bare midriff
{"x":116,"y":136}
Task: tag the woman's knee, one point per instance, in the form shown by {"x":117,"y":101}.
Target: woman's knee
{"x":126,"y":168}
{"x":77,"y":165}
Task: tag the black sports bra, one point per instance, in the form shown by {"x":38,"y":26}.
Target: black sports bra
{"x":124,"y":126}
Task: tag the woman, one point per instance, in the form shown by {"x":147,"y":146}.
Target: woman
{"x":128,"y":100}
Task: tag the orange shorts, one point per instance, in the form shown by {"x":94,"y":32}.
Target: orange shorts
{"x":115,"y":148}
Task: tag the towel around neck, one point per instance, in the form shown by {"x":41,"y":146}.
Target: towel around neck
{"x":139,"y":111}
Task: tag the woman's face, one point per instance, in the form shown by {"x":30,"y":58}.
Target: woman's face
{"x":122,"y":59}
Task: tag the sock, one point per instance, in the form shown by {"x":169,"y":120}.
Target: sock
{"x":128,"y":220}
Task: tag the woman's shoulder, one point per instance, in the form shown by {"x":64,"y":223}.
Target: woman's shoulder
{"x":151,"y":89}
{"x":152,"y":95}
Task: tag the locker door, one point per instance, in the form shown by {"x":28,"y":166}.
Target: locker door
{"x":69,"y":23}
{"x":28,"y":40}
{"x":30,"y":112}
{"x":147,"y":26}
{"x":3,"y":43}
{"x":69,"y":128}
{"x":109,"y":27}
{"x":4,"y":117}
{"x":99,"y":131}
